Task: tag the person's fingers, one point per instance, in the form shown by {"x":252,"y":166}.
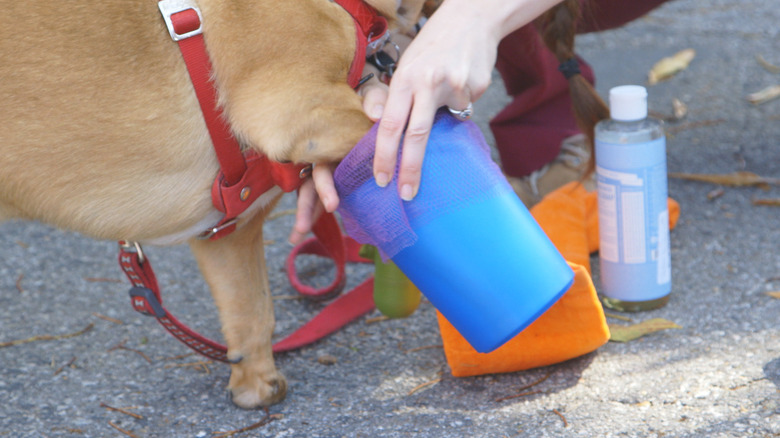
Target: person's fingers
{"x":415,"y":141}
{"x":322,"y":176}
{"x":308,"y":209}
{"x":391,"y":127}
{"x":374,"y":98}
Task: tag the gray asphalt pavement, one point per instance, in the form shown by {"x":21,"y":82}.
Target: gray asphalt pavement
{"x":718,"y":376}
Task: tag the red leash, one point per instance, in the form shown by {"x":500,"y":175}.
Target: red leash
{"x":245,"y":177}
{"x":146,"y":298}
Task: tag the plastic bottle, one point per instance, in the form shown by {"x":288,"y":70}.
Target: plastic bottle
{"x":634,"y":252}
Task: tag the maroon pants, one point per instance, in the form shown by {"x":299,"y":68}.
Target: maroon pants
{"x":530,"y":129}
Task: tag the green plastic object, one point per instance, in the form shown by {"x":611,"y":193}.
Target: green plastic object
{"x":394,"y":294}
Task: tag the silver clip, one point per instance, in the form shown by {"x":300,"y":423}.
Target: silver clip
{"x":208,"y":234}
{"x":170,"y":7}
{"x":134,"y":246}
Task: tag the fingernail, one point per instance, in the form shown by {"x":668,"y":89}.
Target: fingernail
{"x":407,"y":193}
{"x":382,"y":179}
{"x":376,"y":111}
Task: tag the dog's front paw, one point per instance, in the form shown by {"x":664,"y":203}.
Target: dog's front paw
{"x":254,"y":390}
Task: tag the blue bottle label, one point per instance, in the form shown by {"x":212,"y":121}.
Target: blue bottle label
{"x":634,"y":248}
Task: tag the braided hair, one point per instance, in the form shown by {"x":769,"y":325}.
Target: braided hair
{"x":558,"y":27}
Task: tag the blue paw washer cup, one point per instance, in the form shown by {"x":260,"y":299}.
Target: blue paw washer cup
{"x":466,"y":240}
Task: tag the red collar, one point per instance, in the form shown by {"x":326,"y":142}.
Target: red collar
{"x":244,"y":177}
{"x":371,"y":34}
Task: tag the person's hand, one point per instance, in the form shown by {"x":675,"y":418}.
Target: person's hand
{"x":317,"y":194}
{"x":448,"y":63}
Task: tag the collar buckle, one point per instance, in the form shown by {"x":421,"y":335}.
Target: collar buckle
{"x":182,"y":17}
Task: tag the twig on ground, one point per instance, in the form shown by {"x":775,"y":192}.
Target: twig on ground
{"x":19,"y":283}
{"x":107,"y":318}
{"x":102,"y":280}
{"x":522,"y":392}
{"x":126,"y":432}
{"x":181,"y":356}
{"x":72,"y":430}
{"x":122,"y":411}
{"x":121,"y":346}
{"x":423,"y":385}
{"x":565,"y":423}
{"x":70,"y":362}
{"x":771,"y":68}
{"x":46,"y":337}
{"x":202,"y":364}
{"x":268,"y":418}
{"x":770,"y":202}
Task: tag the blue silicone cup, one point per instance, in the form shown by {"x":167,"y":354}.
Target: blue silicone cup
{"x":466,"y":240}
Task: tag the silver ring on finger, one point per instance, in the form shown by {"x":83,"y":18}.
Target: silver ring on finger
{"x":463,"y":114}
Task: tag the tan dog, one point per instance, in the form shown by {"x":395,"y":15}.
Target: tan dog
{"x":102,"y":134}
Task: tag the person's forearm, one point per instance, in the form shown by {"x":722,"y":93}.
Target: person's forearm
{"x":501,"y":17}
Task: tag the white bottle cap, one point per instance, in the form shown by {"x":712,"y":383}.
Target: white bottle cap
{"x":628,"y":103}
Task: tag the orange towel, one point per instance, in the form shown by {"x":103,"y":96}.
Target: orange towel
{"x":573,"y":326}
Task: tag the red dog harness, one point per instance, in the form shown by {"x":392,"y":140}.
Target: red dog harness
{"x":244,"y":177}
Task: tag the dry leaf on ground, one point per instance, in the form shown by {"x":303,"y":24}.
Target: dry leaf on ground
{"x":670,"y":66}
{"x":774,"y":294}
{"x":769,"y":93}
{"x":736,"y":179}
{"x":626,"y":333}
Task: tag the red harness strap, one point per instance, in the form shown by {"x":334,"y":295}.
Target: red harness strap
{"x":371,"y":33}
{"x":242,"y":179}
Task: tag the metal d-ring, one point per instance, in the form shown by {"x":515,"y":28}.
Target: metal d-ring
{"x":388,"y":66}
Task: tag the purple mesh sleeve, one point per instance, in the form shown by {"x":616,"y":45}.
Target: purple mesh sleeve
{"x":457,"y":170}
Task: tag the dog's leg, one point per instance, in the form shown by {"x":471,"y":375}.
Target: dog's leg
{"x":234,"y":268}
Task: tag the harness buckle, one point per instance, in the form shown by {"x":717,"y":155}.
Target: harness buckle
{"x":188,"y":24}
